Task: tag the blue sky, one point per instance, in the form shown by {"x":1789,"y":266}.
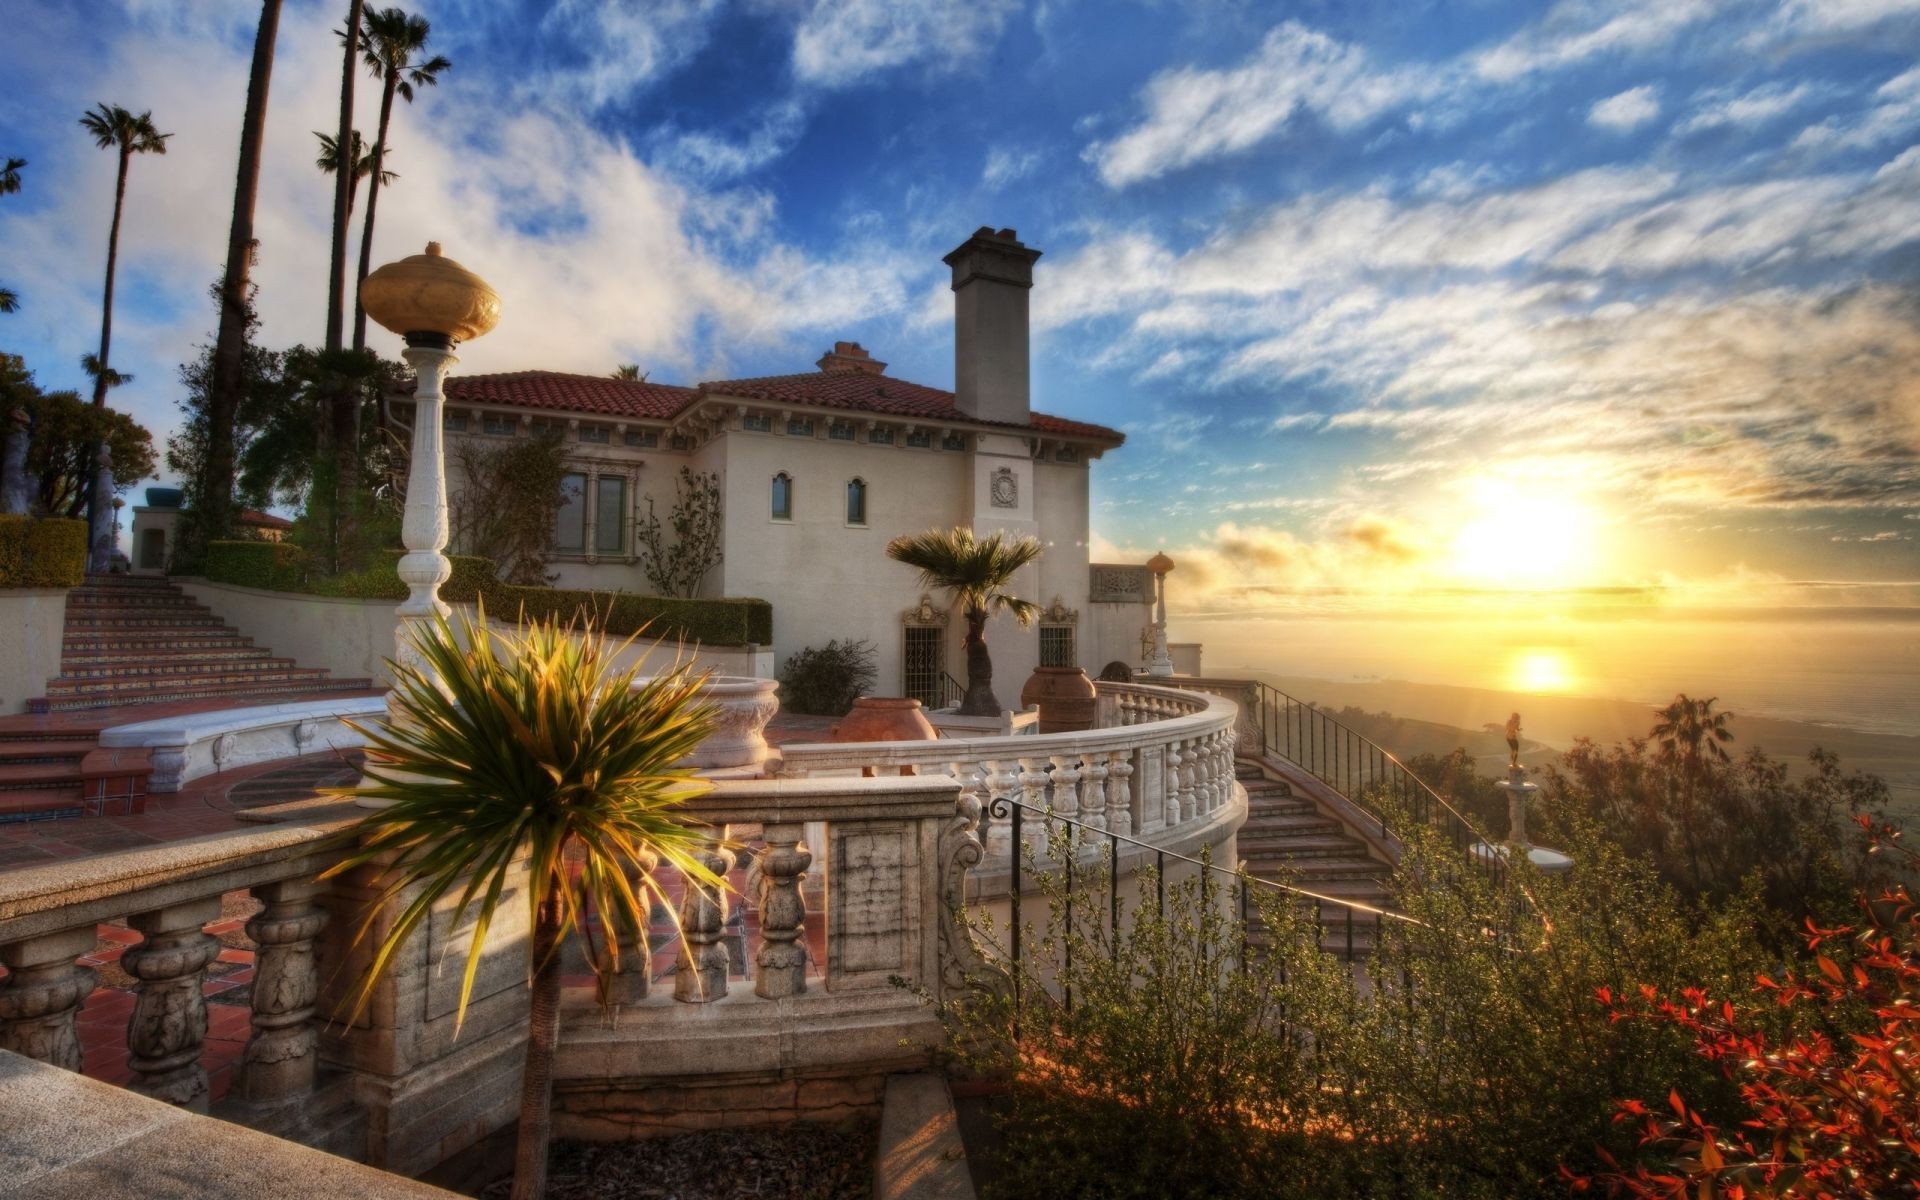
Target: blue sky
{"x":1391,"y":296}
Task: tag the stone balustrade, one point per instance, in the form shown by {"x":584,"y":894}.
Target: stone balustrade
{"x":1160,"y":761}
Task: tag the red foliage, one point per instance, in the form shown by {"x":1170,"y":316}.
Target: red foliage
{"x":1829,"y":1118}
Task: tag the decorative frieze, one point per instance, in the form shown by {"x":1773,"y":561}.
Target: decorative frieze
{"x":1113,"y":583}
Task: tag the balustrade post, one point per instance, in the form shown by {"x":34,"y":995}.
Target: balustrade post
{"x":1033,"y":781}
{"x":1219,"y":771}
{"x":783,"y":914}
{"x":701,"y":976}
{"x":631,"y":979}
{"x":1190,"y":778}
{"x":168,"y":1029}
{"x":1003,"y":780}
{"x":1171,"y":802}
{"x":1093,"y":791}
{"x":1065,"y":779}
{"x":1120,"y":793}
{"x":282,"y":1055}
{"x":41,"y":996}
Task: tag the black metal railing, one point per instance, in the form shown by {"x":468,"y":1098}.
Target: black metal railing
{"x":952,"y":691}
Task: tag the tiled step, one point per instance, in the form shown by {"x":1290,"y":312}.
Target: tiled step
{"x":15,"y":750}
{"x":82,"y":599}
{"x":75,"y":662}
{"x":41,"y":804}
{"x":81,"y":624}
{"x":1310,"y":845}
{"x":50,"y":773}
{"x":152,"y":639}
{"x":191,"y":664}
{"x":178,"y":678}
{"x":263,"y":691}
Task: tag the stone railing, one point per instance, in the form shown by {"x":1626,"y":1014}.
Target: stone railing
{"x":1159,"y":760}
{"x":748,"y":1007}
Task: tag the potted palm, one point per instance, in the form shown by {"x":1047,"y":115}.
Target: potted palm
{"x":528,"y":749}
{"x":975,"y":572}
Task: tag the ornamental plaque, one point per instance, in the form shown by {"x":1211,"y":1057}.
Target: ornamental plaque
{"x":1114,"y":583}
{"x":1004,"y":488}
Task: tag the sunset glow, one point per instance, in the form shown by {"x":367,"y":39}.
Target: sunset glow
{"x":1524,"y":535}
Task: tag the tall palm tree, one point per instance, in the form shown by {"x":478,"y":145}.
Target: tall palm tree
{"x":215,"y":498}
{"x":1692,"y":739}
{"x":362,"y":159}
{"x":529,"y":742}
{"x":120,"y":130}
{"x":9,"y":184}
{"x":975,"y":572}
{"x":343,"y":407}
{"x":395,"y":42}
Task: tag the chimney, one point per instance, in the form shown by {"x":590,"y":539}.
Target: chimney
{"x":992,"y":274}
{"x":850,"y":356}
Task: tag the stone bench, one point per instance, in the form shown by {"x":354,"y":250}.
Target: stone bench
{"x":191,"y":745}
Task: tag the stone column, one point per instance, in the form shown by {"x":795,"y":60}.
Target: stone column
{"x":783,"y":913}
{"x":282,"y":1059}
{"x":168,"y":1029}
{"x":1093,"y":790}
{"x":1162,"y":665}
{"x":702,"y":974}
{"x":42,"y":994}
{"x":1173,"y":808}
{"x":423,"y":527}
{"x":1120,"y":793}
{"x":16,"y":490}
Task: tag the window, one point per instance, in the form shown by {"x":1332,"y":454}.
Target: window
{"x":925,"y":664}
{"x":680,"y":441}
{"x":544,"y":428}
{"x":570,"y":526}
{"x":596,"y":433}
{"x":757,"y":422}
{"x":799,"y":427}
{"x":880,"y":435}
{"x":454,"y":422}
{"x":840,"y":431}
{"x":857,"y":502}
{"x":921,"y":440}
{"x":954,"y":441}
{"x":610,"y":515}
{"x":645,"y":438}
{"x":1056,"y":646}
{"x":495,"y":425}
{"x":782,"y":505}
{"x":1068,"y":454}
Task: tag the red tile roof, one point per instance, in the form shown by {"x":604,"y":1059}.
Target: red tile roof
{"x":598,"y":394}
{"x":263,"y":520}
{"x":853,"y":390}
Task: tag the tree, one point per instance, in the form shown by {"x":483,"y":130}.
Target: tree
{"x":975,"y":572}
{"x":395,"y":42}
{"x":362,"y":160}
{"x":680,"y":568}
{"x":117,"y":129}
{"x":1691,"y":736}
{"x":628,"y":371}
{"x":9,"y":184}
{"x":66,"y":431}
{"x":510,"y":494}
{"x":529,"y":743}
{"x":225,"y":386}
{"x":343,"y":408}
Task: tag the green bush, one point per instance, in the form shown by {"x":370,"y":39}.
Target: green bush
{"x":728,"y":622}
{"x":826,"y":680}
{"x":273,"y":566}
{"x":50,"y":552}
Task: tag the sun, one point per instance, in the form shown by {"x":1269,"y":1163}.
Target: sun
{"x":1540,"y":670}
{"x":1524,"y":534}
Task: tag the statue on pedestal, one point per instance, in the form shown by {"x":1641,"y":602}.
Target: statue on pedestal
{"x":1513,"y":742}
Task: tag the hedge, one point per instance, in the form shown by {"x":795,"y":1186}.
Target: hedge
{"x":280,"y":567}
{"x":49,"y":552}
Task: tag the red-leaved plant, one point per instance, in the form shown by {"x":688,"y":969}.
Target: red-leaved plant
{"x":1835,"y":1102}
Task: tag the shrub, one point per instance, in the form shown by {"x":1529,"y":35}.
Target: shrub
{"x":827,"y":680}
{"x":731,"y":622}
{"x":47,"y":553}
{"x":273,"y":566}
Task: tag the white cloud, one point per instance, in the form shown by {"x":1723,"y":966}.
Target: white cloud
{"x":1195,"y":114}
{"x":608,"y":48}
{"x":1718,"y":107}
{"x":1829,"y":18}
{"x":1627,"y":110}
{"x":1896,"y":109}
{"x":840,"y":42}
{"x":713,"y":158}
{"x":1575,"y":30}
{"x":1004,"y":165}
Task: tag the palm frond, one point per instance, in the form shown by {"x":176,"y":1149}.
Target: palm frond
{"x":974,"y":570}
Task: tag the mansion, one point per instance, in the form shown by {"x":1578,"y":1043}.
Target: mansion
{"x":819,"y":470}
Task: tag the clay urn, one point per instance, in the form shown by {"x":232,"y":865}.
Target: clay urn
{"x":884,"y":719}
{"x":1065,"y":696}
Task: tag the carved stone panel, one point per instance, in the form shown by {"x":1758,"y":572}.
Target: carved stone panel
{"x":503,"y":964}
{"x":1120,"y":584}
{"x":1003,"y":488}
{"x":875,"y":905}
{"x":1151,"y":784}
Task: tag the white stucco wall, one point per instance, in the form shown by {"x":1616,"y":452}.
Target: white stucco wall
{"x":350,"y":638}
{"x":32,"y":622}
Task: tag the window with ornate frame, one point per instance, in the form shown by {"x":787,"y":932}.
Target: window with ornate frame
{"x":646,"y":439}
{"x":757,"y":423}
{"x":570,"y":525}
{"x":799,"y":427}
{"x":953,"y":441}
{"x":856,"y":502}
{"x":880,"y":435}
{"x":781,"y":498}
{"x":610,"y":515}
{"x":1059,"y":626}
{"x":498,"y":425}
{"x":597,"y":434}
{"x":453,"y":422}
{"x":924,"y":653}
{"x":840,"y":431}
{"x":920,"y":439}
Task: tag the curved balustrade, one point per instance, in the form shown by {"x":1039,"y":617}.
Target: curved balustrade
{"x":1159,"y":758}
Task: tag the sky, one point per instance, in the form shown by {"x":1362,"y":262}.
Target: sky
{"x":1392,"y":298}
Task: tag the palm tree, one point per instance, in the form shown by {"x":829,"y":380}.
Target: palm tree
{"x":9,"y":184}
{"x":224,"y":389}
{"x":975,"y":572}
{"x":395,"y":40}
{"x":118,"y":129}
{"x":1692,"y":740}
{"x":628,"y":371}
{"x":343,"y":408}
{"x":529,"y":742}
{"x":362,"y":158}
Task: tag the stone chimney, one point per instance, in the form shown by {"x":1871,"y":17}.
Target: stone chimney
{"x":992,"y":274}
{"x":850,"y":356}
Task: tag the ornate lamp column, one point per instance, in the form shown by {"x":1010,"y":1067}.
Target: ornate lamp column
{"x":435,"y":304}
{"x":1162,"y":664}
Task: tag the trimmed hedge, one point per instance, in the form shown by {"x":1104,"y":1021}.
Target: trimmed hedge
{"x":50,"y":552}
{"x":279,"y":567}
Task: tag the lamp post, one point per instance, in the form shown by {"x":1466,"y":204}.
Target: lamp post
{"x":1162,"y":665}
{"x":435,"y":304}
{"x":118,"y":504}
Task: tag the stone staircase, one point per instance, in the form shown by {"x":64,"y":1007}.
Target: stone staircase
{"x":141,"y":640}
{"x":1289,"y":840}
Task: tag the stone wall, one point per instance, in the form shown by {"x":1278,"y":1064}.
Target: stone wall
{"x":32,"y":621}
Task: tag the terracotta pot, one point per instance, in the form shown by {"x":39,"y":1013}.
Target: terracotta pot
{"x":884,"y":719}
{"x":1065,"y":696}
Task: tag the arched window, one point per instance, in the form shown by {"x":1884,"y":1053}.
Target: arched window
{"x":857,"y":502}
{"x":782,"y":497}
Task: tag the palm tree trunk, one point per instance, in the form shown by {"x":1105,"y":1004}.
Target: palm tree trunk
{"x":979,"y":700}
{"x":543,"y":1036}
{"x":215,"y":497}
{"x":100,"y":480}
{"x":343,"y":180}
{"x":373,"y":202}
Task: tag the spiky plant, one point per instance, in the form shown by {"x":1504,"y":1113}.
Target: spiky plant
{"x":533,"y":742}
{"x":975,"y":572}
